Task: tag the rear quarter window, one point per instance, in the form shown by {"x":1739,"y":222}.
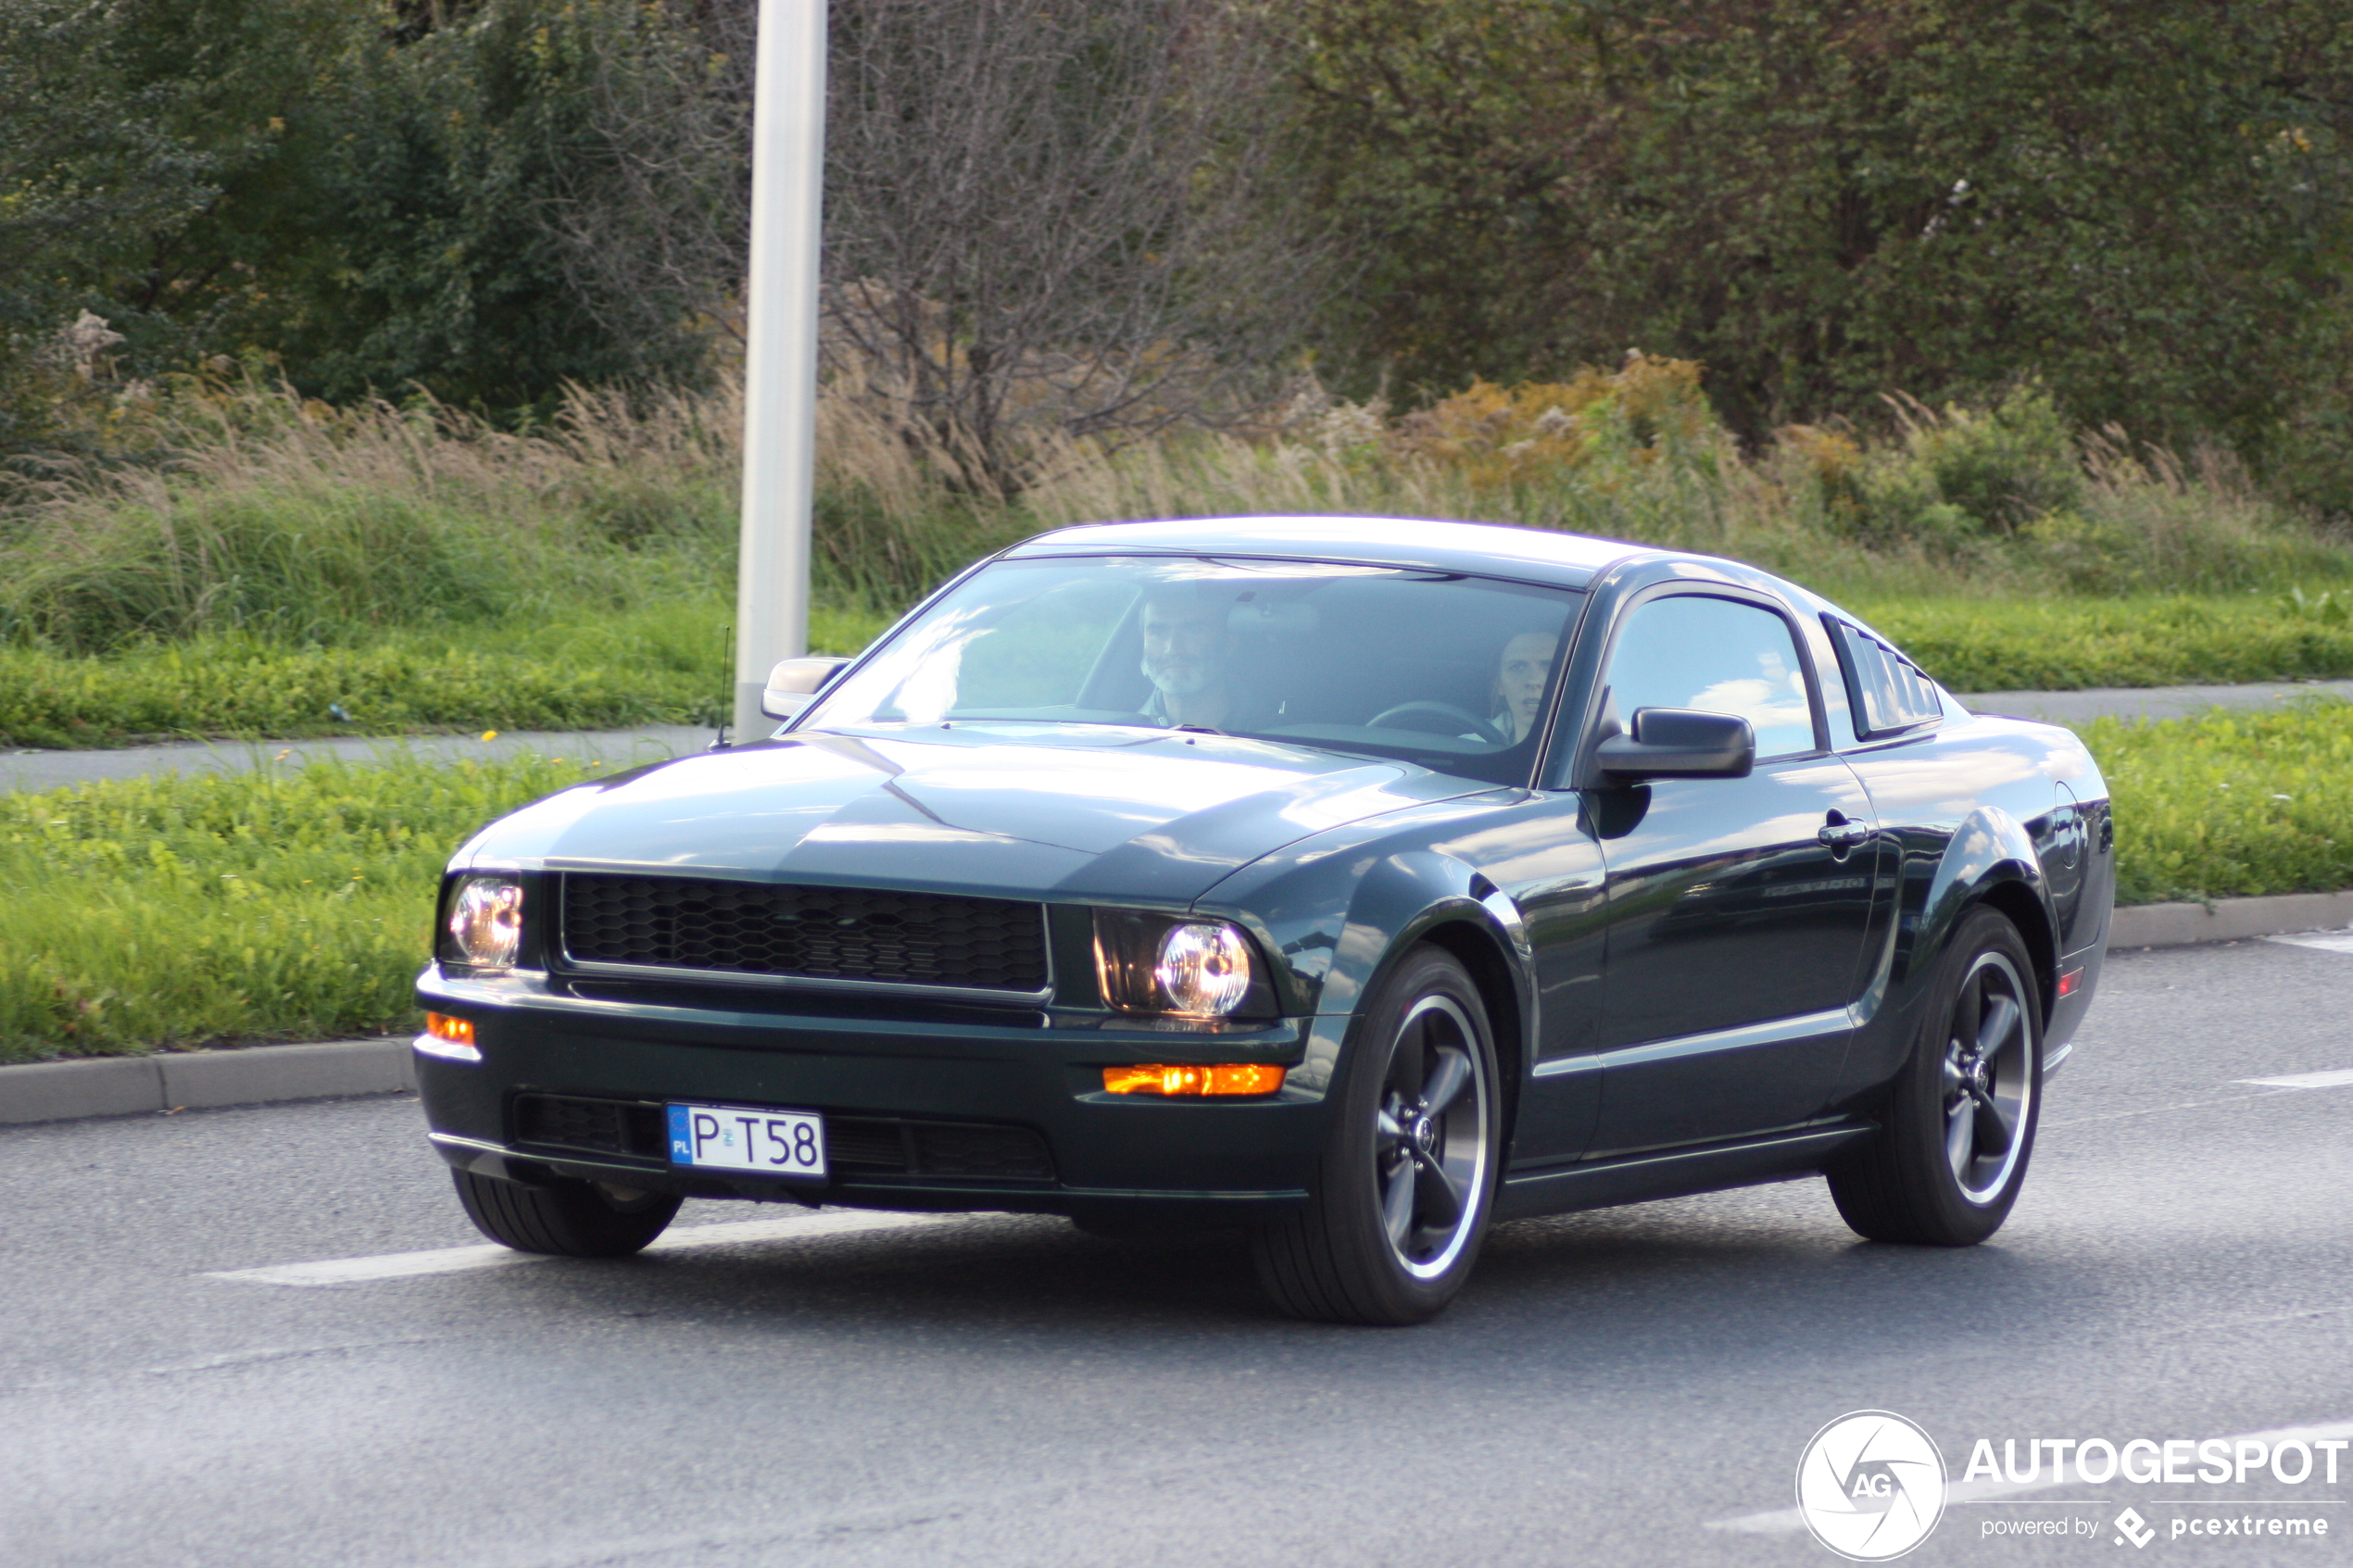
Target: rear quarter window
{"x":1888,"y":693}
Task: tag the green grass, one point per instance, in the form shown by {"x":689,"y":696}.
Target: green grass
{"x":2231,"y":804}
{"x":2069,"y":644}
{"x":664,"y":663}
{"x":172,"y":911}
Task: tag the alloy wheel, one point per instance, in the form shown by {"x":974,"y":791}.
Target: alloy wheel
{"x":1988,"y":1079}
{"x":1429,"y":1139}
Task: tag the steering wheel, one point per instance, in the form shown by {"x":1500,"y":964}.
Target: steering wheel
{"x":1483,"y":728}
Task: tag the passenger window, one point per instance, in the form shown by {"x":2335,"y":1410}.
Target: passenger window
{"x":1887,"y":690}
{"x":1719,"y":656}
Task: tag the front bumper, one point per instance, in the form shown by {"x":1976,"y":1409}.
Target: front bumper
{"x":872,"y":1065}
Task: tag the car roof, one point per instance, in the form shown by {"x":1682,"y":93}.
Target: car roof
{"x":1531,"y":554}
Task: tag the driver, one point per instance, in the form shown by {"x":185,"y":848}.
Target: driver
{"x":1520,"y":673}
{"x":1187,"y":648}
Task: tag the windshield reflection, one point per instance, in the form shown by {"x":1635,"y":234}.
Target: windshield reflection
{"x":1451,"y":671}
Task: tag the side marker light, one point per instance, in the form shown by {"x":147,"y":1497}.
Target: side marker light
{"x":2069,"y":980}
{"x":1239,"y":1078}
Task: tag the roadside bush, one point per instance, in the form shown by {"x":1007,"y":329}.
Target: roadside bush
{"x":263,"y":561}
{"x":1956,"y":473}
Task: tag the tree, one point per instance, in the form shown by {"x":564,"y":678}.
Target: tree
{"x":90,"y":168}
{"x":2144,"y":201}
{"x":1055,"y":209}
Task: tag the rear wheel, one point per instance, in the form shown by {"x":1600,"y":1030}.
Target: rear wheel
{"x":569,"y":1219}
{"x":1961,"y":1116}
{"x":1401,"y":1202}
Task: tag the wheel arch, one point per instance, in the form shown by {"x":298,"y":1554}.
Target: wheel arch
{"x":2012,"y":899}
{"x":1479,"y":950}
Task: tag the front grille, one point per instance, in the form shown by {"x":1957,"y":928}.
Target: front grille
{"x":854,"y":1145}
{"x":805,"y":933}
{"x":594,"y":1126}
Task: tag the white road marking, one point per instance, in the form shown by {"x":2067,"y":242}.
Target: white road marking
{"x":2327,"y":941}
{"x":454,"y":1259}
{"x":2337,"y":1079}
{"x":1787,"y":1520}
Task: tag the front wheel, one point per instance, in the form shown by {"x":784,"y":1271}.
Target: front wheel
{"x":569,"y":1219}
{"x":1961,"y":1116}
{"x":1401,"y":1197}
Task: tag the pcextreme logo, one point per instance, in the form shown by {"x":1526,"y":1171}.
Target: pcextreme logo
{"x":1870,"y":1486}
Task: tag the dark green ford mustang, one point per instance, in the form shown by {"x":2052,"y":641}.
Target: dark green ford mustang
{"x":1357,"y":882}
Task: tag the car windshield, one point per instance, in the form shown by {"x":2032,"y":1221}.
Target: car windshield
{"x":1449,"y":670}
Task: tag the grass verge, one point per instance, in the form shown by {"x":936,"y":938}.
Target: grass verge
{"x":173,"y":910}
{"x":170,"y":911}
{"x":656,"y":664}
{"x":2070,"y":644}
{"x":2231,"y":805}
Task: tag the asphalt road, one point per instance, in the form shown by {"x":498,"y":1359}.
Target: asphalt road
{"x":1629,"y":1387}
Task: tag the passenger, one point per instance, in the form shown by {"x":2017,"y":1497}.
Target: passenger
{"x":1188,"y":647}
{"x":1520,"y":674}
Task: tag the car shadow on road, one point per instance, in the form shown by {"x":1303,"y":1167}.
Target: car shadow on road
{"x":1705,"y":1282}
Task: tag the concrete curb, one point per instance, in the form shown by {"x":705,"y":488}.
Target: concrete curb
{"x":2179,"y":925}
{"x":130,"y":1086}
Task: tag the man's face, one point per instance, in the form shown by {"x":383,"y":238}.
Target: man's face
{"x":1184,"y":645}
{"x":1519,"y":679}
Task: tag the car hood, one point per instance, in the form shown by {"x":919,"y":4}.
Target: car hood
{"x":1070,"y":810}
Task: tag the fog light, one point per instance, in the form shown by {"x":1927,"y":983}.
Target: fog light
{"x":452,"y":1038}
{"x":1227,"y":1078}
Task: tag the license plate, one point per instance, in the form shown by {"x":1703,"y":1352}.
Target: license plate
{"x":732,"y":1137}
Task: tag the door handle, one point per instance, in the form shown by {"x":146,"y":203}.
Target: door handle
{"x":1839,"y":835}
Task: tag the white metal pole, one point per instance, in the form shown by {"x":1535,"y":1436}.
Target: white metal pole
{"x":780,"y":348}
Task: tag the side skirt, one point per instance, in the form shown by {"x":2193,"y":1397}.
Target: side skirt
{"x":1641,"y":1178}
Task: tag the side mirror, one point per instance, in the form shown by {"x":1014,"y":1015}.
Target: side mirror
{"x":794,"y":683}
{"x":1679,"y":743}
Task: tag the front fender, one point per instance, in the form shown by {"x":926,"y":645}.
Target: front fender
{"x":1339,"y":925}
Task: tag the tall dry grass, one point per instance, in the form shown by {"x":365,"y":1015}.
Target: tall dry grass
{"x":252,"y":511}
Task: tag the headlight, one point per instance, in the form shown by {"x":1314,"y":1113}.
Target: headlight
{"x":485,"y":921}
{"x":1203,"y":967}
{"x":1172,"y":965}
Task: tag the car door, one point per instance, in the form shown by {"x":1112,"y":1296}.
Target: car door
{"x":1736,"y":909}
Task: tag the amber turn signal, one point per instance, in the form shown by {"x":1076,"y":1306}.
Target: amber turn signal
{"x":456,"y":1031}
{"x":1232,"y":1078}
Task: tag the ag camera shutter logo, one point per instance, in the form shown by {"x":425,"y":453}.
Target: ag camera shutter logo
{"x":1870,"y":1486}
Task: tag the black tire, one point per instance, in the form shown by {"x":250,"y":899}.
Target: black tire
{"x":1960,"y":1118}
{"x":1418,"y":1128}
{"x":569,"y":1219}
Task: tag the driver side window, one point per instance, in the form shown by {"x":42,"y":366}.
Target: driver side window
{"x":1719,"y":656}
